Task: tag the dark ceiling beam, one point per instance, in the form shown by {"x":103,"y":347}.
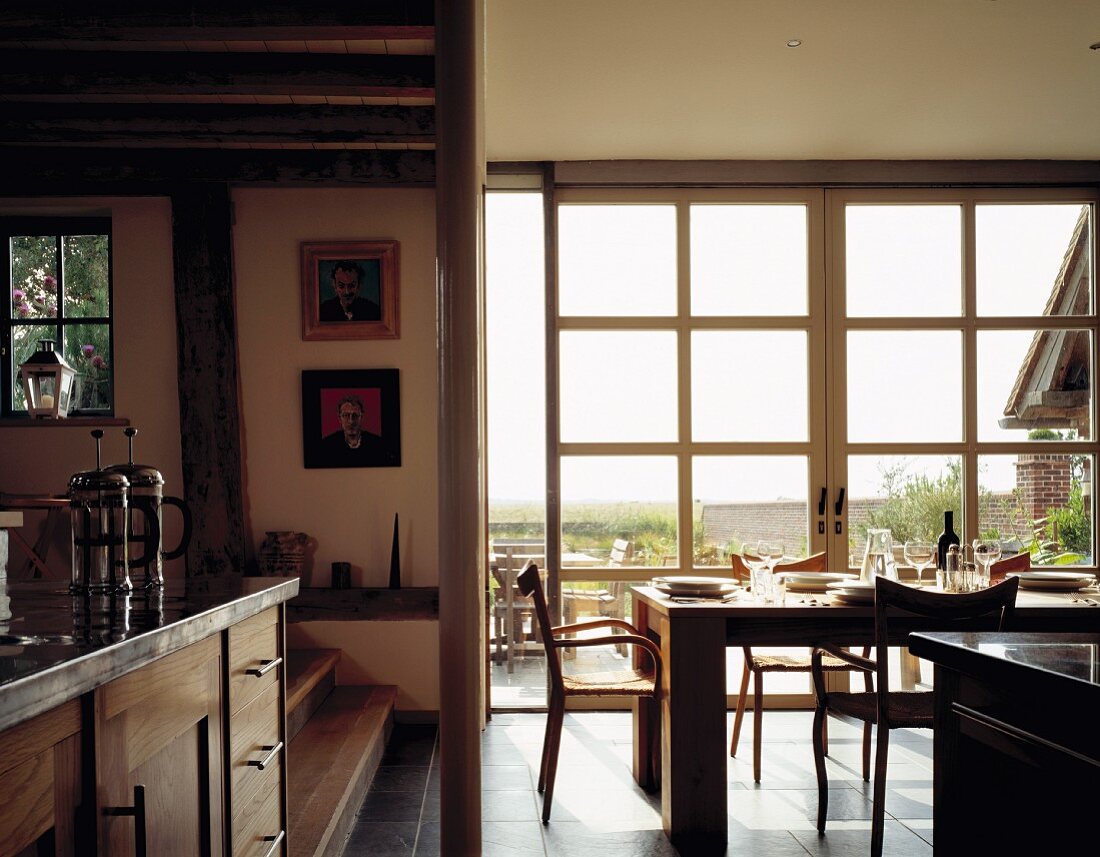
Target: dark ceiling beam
{"x":154,"y":73}
{"x":62,"y":171}
{"x":220,"y":20}
{"x":146,"y":124}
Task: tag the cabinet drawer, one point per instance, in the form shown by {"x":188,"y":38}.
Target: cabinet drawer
{"x":253,"y":644}
{"x":260,"y":817}
{"x":254,"y":731}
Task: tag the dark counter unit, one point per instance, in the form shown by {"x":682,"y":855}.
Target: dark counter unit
{"x":1016,"y":743}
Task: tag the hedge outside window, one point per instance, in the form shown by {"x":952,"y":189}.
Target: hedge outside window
{"x":59,"y":288}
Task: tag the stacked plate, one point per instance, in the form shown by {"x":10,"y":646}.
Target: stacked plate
{"x":695,"y":587}
{"x":813,"y":581}
{"x":1060,"y":581}
{"x":852,"y":592}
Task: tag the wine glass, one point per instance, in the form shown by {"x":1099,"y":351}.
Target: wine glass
{"x":772,"y":552}
{"x":918,"y":553}
{"x":986,"y":552}
{"x":750,"y":555}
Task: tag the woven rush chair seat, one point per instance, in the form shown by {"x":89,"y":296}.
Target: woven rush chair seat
{"x":624,"y":682}
{"x":794,"y":664}
{"x":632,"y":682}
{"x":908,"y":709}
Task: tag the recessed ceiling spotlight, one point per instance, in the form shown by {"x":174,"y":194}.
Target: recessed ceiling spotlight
{"x":793,"y":43}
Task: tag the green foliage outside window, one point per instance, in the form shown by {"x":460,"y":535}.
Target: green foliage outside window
{"x":83,"y":284}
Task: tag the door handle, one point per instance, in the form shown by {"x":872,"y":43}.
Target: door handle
{"x":838,"y":508}
{"x":821,"y":501}
{"x":138,"y":812}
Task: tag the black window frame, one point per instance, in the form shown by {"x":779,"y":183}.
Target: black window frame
{"x":58,"y":227}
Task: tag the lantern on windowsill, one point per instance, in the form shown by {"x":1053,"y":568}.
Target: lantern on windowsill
{"x":48,"y":382}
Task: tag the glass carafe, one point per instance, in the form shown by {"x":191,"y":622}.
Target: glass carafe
{"x":878,"y":558}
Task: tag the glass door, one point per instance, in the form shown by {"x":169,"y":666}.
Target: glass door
{"x":690,"y":387}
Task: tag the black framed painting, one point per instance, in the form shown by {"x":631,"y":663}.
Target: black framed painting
{"x":351,"y":418}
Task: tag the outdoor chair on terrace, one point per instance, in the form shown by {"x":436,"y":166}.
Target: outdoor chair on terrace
{"x":895,"y":709}
{"x":609,"y":602}
{"x":758,"y":664}
{"x":510,"y":608}
{"x":627,"y":681}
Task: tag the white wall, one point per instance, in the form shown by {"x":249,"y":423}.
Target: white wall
{"x":349,"y":512}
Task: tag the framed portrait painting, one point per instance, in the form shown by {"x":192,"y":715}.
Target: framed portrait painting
{"x":349,"y":290}
{"x":351,"y":418}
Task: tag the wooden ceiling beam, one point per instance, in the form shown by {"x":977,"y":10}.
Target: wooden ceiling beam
{"x":217,"y":20}
{"x":150,"y":124}
{"x":64,"y":171}
{"x":29,"y":73}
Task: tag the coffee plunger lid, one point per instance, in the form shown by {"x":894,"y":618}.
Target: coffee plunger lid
{"x":98,"y":480}
{"x":139,"y":475}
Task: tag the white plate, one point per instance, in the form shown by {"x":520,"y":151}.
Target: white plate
{"x":1061,"y":581}
{"x":681,"y":592}
{"x":854,"y":596}
{"x":695,"y":584}
{"x":853,"y":591}
{"x":814,"y":581}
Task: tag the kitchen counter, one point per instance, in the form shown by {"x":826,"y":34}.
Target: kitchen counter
{"x":1015,"y":721}
{"x":55,"y":646}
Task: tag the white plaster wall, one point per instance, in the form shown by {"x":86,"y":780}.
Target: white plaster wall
{"x":349,"y":512}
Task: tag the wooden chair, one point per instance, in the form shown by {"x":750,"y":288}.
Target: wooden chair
{"x":1019,"y":562}
{"x":510,"y":608}
{"x":895,"y":709}
{"x":757,"y":665}
{"x":624,"y":682}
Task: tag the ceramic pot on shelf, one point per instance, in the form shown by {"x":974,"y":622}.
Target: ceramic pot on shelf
{"x":283,"y":553}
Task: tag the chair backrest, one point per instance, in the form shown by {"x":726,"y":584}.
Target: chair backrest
{"x":621,"y":553}
{"x":813,"y":562}
{"x":530,"y":584}
{"x":958,"y":612}
{"x":1019,"y":562}
{"x":740,"y":570}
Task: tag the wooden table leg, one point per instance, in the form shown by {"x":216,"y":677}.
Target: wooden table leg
{"x":647,"y":717}
{"x":693,"y":734}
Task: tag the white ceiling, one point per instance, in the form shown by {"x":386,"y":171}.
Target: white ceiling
{"x":690,"y":79}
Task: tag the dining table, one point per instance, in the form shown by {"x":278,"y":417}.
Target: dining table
{"x":689,"y":714}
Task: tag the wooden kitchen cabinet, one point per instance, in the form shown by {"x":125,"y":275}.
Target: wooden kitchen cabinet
{"x":257,"y":736}
{"x":158,"y":749}
{"x":40,"y":783}
{"x":167,"y":740}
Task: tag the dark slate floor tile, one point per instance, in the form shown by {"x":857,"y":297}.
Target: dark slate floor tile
{"x":400,"y":778}
{"x":381,"y":839}
{"x":391,"y":806}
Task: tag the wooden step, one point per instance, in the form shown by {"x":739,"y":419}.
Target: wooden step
{"x":331,"y":763}
{"x":310,"y":678}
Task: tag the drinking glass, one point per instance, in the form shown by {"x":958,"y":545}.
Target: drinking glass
{"x":771,"y":552}
{"x":918,"y":553}
{"x":986,"y":552}
{"x":750,"y":555}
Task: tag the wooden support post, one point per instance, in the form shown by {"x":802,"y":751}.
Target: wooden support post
{"x":210,"y":424}
{"x":462,"y":503}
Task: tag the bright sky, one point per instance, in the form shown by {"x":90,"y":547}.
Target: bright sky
{"x":748,"y":385}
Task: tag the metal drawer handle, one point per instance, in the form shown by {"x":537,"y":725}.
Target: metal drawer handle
{"x":275,"y":841}
{"x":265,"y":669}
{"x":269,"y":758}
{"x":138,"y":812}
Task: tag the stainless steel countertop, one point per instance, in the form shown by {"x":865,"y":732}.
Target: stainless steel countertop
{"x":55,"y":646}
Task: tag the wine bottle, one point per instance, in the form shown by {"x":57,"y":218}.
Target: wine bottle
{"x":947,"y":538}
